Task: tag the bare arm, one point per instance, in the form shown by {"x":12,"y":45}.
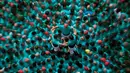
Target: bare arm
{"x":74,"y":30}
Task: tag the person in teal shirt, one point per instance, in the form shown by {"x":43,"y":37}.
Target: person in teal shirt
{"x":66,"y":30}
{"x":71,"y":43}
{"x":55,"y":43}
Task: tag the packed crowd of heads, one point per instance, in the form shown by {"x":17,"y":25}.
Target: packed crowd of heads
{"x":65,"y":36}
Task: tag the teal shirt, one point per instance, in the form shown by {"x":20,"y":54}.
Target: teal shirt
{"x":1,"y":20}
{"x":55,"y":41}
{"x":78,"y":28}
{"x":72,"y":42}
{"x":65,"y":31}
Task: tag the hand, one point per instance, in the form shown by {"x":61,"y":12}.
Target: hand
{"x":53,"y":28}
{"x":75,"y":33}
{"x":64,"y":44}
{"x":82,"y":38}
{"x":48,"y":26}
{"x":44,"y":40}
{"x":74,"y":30}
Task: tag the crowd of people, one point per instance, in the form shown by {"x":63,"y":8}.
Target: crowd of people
{"x":65,"y":36}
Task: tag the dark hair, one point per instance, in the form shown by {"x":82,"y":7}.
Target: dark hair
{"x":14,"y":35}
{"x":65,"y":17}
{"x":28,"y":51}
{"x":11,"y":57}
{"x":55,"y":36}
{"x":94,"y":48}
{"x":66,"y":39}
{"x":61,"y":61}
{"x":59,"y":31}
{"x":16,"y":54}
{"x":32,"y":56}
{"x":42,"y":53}
{"x":79,"y":55}
{"x":7,"y":59}
{"x":31,"y":5}
{"x":85,"y":18}
{"x":10,"y":67}
{"x":115,"y":51}
{"x":118,"y":10}
{"x":79,"y":64}
{"x":112,"y":58}
{"x":24,"y":3}
{"x":71,"y":37}
{"x":34,"y":64}
{"x":92,"y":43}
{"x":39,"y":39}
{"x":78,"y":19}
{"x":39,"y":63}
{"x":102,"y":45}
{"x":14,"y":65}
{"x":111,"y":66}
{"x":104,"y":55}
{"x":13,"y":11}
{"x":42,"y":30}
{"x":60,"y":66}
{"x":59,"y":71}
{"x":126,"y":53}
{"x":50,"y":70}
{"x":87,"y":44}
{"x":115,"y":68}
{"x":70,"y":63}
{"x":85,"y":57}
{"x":86,"y":4}
{"x":53,"y":57}
{"x":30,"y":66}
{"x":90,"y":70}
{"x":47,"y":12}
{"x":72,"y":11}
{"x":81,"y":32}
{"x":43,"y":63}
{"x":87,"y":36}
{"x":17,"y":41}
{"x":32,"y":48}
{"x":79,"y":45}
{"x":3,"y":62}
{"x":6,"y":69}
{"x":83,"y":47}
{"x":50,"y":7}
{"x":48,"y":60}
{"x":46,"y":22}
{"x":100,"y":65}
{"x":97,"y":2}
{"x":3,"y":51}
{"x":5,"y":2}
{"x":33,"y":16}
{"x":91,"y":60}
{"x":64,"y":4}
{"x":66,"y":57}
{"x":100,"y":52}
{"x":33,"y":41}
{"x":38,"y":71}
{"x":21,"y":62}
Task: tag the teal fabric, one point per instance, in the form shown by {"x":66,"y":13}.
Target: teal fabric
{"x":55,"y":41}
{"x":65,"y":30}
{"x":72,"y":42}
{"x":19,"y":44}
